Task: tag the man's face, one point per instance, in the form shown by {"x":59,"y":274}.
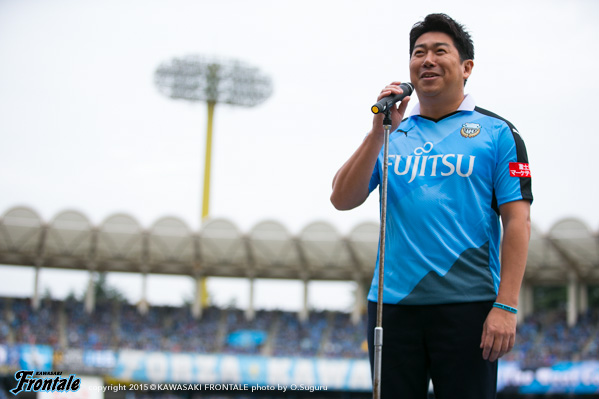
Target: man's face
{"x":435,"y":66}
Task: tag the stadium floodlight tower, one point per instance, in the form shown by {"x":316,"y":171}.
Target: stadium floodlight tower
{"x":215,"y":81}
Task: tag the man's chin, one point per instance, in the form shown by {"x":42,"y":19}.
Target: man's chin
{"x":427,"y":91}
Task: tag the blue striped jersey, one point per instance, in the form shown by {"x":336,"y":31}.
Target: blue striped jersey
{"x":446,"y":181}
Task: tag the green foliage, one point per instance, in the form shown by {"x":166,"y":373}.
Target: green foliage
{"x":550,"y":297}
{"x":105,"y":293}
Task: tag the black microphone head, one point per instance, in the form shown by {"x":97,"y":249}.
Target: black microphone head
{"x":407,"y":88}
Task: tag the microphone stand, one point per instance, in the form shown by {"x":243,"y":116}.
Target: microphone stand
{"x":378,"y":330}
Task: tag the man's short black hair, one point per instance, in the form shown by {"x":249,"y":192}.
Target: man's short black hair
{"x":445,"y":24}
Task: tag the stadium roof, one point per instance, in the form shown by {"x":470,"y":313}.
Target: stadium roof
{"x":319,"y":252}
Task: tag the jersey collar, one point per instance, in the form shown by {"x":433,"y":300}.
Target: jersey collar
{"x":467,"y":104}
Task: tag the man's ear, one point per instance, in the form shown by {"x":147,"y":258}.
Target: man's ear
{"x":467,"y":66}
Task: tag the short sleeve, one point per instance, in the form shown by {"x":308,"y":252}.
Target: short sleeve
{"x":375,"y":179}
{"x":512,"y":180}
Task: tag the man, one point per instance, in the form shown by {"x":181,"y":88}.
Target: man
{"x":455,"y":171}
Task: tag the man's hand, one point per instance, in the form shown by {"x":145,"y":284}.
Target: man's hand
{"x":396,"y":112}
{"x":499,"y":334}
{"x":350,"y":184}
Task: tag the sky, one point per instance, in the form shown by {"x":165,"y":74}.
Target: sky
{"x":83,"y":127}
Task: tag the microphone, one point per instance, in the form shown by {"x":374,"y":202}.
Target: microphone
{"x":387,"y":102}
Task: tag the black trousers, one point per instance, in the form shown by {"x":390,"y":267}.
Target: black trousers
{"x":438,"y":342}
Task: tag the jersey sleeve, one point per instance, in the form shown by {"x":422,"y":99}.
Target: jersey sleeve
{"x":375,"y":179}
{"x":513,"y":176}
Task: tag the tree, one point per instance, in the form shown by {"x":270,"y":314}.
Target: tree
{"x":105,"y":293}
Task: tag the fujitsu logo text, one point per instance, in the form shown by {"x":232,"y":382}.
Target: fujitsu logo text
{"x":426,"y":165}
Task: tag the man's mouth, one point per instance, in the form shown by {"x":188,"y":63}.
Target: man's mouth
{"x":428,"y":75}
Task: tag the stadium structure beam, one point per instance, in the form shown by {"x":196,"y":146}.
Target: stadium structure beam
{"x":35,"y":299}
{"x":90,"y":294}
{"x":143,"y":306}
{"x":583,"y":298}
{"x":358,"y":307}
{"x":196,"y":308}
{"x":526,"y":301}
{"x":572,"y":310}
{"x":303,"y":313}
{"x":250,"y":312}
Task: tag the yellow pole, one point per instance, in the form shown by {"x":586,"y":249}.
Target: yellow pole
{"x":208,"y":159}
{"x":206,"y":195}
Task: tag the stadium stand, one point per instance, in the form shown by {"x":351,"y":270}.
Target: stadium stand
{"x":543,"y":339}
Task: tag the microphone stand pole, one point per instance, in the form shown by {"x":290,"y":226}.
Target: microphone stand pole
{"x":378,"y":330}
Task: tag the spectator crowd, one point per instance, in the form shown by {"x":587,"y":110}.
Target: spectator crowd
{"x":543,"y":339}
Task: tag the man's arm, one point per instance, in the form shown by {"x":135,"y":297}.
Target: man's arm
{"x":350,"y":185}
{"x":499,"y":330}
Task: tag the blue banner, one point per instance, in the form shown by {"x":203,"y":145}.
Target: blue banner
{"x":247,"y":338}
{"x":36,"y":357}
{"x":99,"y":358}
{"x":9,"y":356}
{"x":309,"y":373}
{"x":331,"y":374}
{"x":566,"y":377}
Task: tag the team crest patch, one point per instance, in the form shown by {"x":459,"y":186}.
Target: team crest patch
{"x":470,"y":130}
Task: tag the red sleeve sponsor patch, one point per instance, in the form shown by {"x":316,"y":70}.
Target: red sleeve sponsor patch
{"x":519,"y":169}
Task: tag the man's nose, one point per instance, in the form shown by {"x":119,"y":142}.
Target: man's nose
{"x":430,"y":59}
